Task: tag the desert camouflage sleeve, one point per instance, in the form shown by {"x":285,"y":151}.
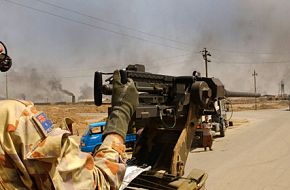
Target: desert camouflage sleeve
{"x":28,"y":162}
{"x":80,"y":170}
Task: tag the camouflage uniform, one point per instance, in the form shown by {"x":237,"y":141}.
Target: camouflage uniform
{"x":28,"y":161}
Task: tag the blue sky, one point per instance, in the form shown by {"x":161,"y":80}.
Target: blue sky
{"x":68,"y":40}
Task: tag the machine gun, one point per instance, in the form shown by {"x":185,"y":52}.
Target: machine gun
{"x":170,"y":108}
{"x":5,"y":60}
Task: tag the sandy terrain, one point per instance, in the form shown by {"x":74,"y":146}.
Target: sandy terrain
{"x":75,"y":111}
{"x":249,"y":104}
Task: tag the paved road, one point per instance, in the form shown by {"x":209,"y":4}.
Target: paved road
{"x":253,"y":156}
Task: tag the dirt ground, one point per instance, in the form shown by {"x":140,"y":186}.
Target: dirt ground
{"x":240,"y":104}
{"x":57,"y":112}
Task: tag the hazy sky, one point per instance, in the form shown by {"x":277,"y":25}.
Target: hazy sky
{"x":64,"y":42}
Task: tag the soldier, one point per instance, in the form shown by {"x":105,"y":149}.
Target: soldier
{"x":34,"y":155}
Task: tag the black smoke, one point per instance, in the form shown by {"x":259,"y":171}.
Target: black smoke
{"x":86,"y":92}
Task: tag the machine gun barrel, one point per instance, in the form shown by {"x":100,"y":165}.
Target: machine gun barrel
{"x":241,"y":94}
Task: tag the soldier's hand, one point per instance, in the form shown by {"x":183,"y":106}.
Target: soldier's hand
{"x":124,"y":93}
{"x":125,"y":98}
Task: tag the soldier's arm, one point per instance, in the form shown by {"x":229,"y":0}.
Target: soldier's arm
{"x":111,"y":159}
{"x":58,"y":155}
{"x":83,"y":171}
{"x":108,"y":166}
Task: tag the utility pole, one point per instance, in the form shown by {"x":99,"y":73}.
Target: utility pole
{"x":205,"y":53}
{"x":282,"y":90}
{"x":6,"y":76}
{"x":254,"y":75}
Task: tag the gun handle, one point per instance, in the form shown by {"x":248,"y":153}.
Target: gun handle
{"x":124,"y":78}
{"x":98,"y":83}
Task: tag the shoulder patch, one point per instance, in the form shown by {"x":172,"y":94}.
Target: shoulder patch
{"x":43,"y":124}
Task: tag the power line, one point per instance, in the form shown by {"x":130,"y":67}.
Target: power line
{"x":166,"y":58}
{"x":132,"y":36}
{"x":269,"y":62}
{"x":111,"y":23}
{"x":247,"y":52}
{"x":150,"y":68}
{"x":95,"y":26}
{"x":150,"y":34}
{"x":129,"y":28}
{"x":249,"y":62}
{"x":111,"y":66}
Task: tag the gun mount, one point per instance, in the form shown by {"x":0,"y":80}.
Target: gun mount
{"x":170,"y":108}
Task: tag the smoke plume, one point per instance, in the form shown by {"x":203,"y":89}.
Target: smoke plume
{"x":55,"y":85}
{"x":86,"y":92}
{"x":31,"y":84}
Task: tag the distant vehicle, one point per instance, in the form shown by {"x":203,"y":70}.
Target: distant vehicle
{"x":92,"y":138}
{"x":219,"y":119}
